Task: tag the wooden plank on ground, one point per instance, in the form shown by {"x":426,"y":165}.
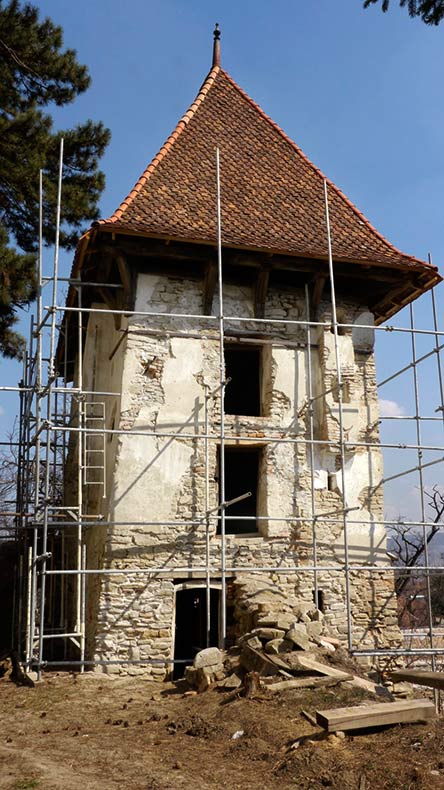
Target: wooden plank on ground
{"x":378,"y":715}
{"x":420,"y":677}
{"x":305,"y":663}
{"x":256,"y":661}
{"x":307,"y":683}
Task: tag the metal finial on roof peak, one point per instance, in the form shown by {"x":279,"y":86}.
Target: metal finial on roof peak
{"x":216,"y":45}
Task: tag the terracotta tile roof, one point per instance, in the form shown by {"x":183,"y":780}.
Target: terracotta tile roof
{"x":272,"y":195}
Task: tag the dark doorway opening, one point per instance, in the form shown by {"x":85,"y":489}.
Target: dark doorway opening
{"x":318,"y":599}
{"x":243,"y":392}
{"x":241,"y":476}
{"x":191,"y":625}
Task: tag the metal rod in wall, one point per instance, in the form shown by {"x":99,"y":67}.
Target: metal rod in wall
{"x":341,"y":418}
{"x":223,"y":603}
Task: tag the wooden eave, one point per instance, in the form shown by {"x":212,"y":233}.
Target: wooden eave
{"x":389,"y":286}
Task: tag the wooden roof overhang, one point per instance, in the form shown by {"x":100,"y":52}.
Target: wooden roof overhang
{"x":111,"y":257}
{"x":273,"y":218}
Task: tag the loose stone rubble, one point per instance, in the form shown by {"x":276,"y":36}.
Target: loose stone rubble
{"x":271,"y":651}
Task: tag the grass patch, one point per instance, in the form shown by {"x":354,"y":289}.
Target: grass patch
{"x":26,"y":784}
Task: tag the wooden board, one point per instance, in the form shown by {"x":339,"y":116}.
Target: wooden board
{"x":421,"y":678}
{"x":307,"y":683}
{"x":378,"y":715}
{"x":256,"y":661}
{"x":308,"y":664}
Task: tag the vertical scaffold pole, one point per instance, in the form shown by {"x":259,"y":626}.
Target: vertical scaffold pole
{"x":80,"y":589}
{"x":32,"y":578}
{"x":223,"y":630}
{"x":207,"y":519}
{"x":311,"y":447}
{"x":421,"y":485}
{"x":437,"y":349}
{"x":341,"y":420}
{"x":49,"y":417}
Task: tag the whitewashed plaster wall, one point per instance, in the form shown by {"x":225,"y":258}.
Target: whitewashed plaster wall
{"x":161,"y":478}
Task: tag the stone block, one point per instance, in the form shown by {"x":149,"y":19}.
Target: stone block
{"x":285,"y":621}
{"x":203,"y":679}
{"x":233,"y":681}
{"x":314,"y":629}
{"x":276,"y":646}
{"x":268,"y":633}
{"x":209,"y":657}
{"x":190,"y":675}
{"x":316,"y":615}
{"x":252,"y":641}
{"x":298,"y":636}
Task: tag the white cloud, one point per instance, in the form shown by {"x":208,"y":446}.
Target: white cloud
{"x":389,"y":408}
{"x":2,"y":412}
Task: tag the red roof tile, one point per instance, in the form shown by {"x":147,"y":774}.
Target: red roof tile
{"x":272,"y":195}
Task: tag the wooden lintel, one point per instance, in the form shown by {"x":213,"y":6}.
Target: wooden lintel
{"x":209,"y":286}
{"x":261,"y":289}
{"x":127,"y":278}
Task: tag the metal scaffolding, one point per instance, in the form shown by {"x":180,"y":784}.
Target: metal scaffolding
{"x":52,"y":411}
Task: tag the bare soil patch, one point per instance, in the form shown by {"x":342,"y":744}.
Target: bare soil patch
{"x":95,"y":732}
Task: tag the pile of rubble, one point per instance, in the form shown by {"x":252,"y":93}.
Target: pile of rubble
{"x":289,"y":651}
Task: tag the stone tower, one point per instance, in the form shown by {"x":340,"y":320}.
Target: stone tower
{"x":190,"y":406}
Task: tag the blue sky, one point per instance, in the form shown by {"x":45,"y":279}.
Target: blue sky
{"x":361,"y":92}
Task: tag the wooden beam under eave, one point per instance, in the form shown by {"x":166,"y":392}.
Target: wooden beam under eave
{"x":128,"y":281}
{"x":112,"y":303}
{"x":209,"y":287}
{"x":318,"y":290}
{"x":261,"y":290}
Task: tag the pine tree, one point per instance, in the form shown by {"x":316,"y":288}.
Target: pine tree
{"x":430,"y":11}
{"x":35,"y":71}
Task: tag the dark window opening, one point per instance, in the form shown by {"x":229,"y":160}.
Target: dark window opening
{"x":242,"y":393}
{"x":319,"y":599}
{"x":241,"y":476}
{"x":191,"y":625}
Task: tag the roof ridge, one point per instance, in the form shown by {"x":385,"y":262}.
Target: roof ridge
{"x":330,"y":183}
{"x":180,"y":126}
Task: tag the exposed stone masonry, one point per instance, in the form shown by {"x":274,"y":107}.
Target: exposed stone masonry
{"x":163,"y":369}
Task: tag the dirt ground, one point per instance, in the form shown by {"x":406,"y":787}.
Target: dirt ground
{"x":98,"y":733}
